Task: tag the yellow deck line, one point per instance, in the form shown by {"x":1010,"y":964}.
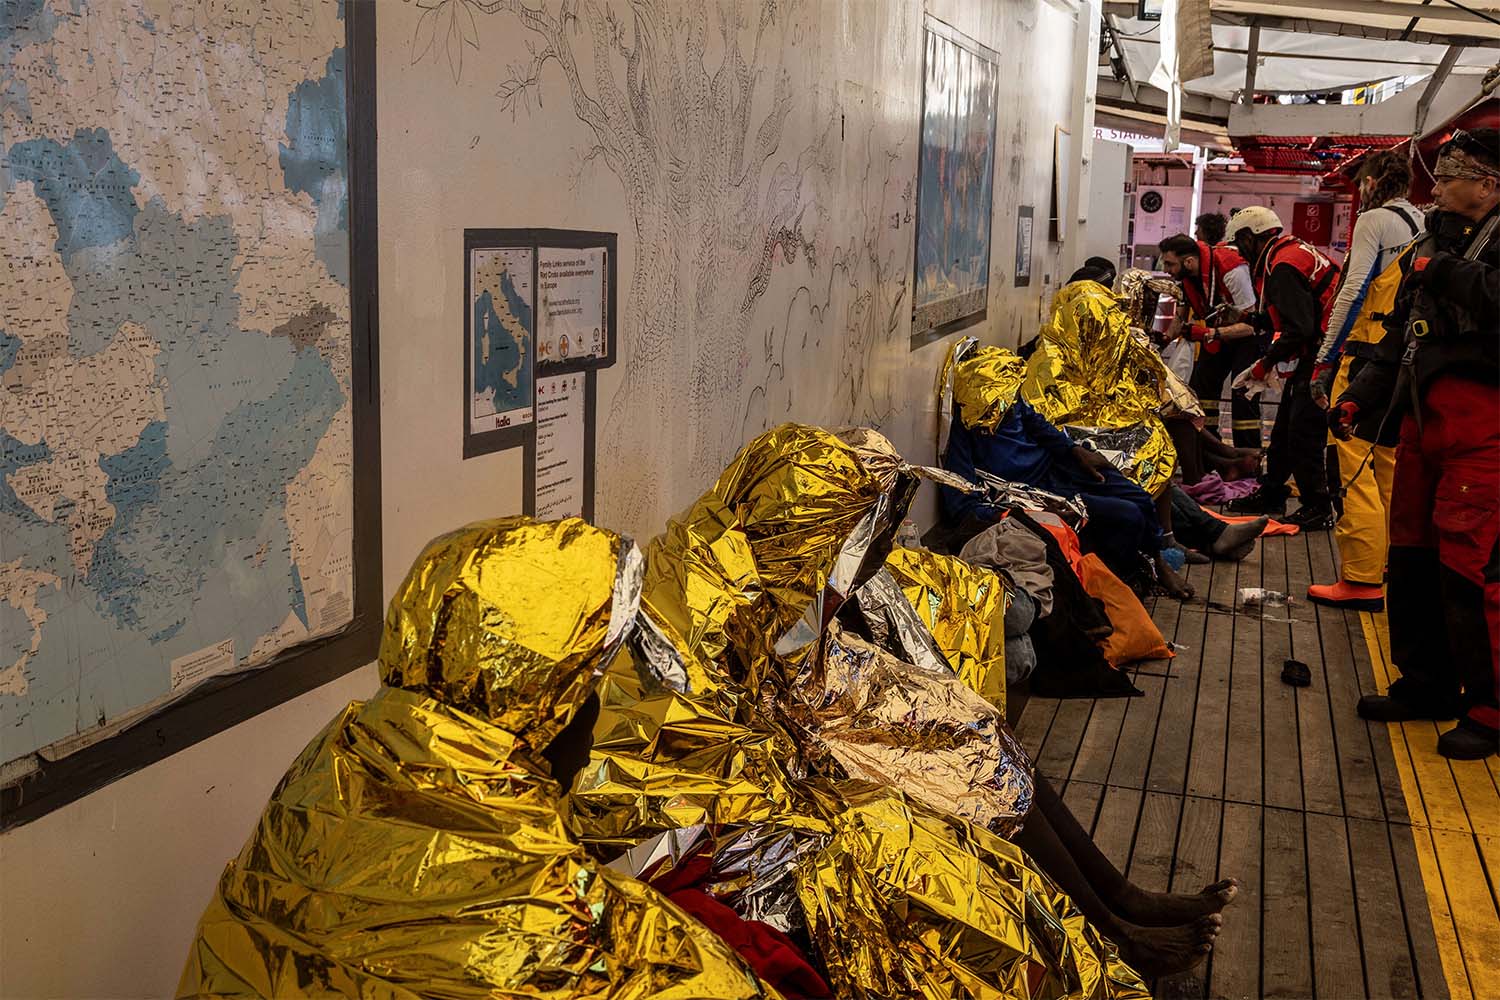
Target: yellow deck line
{"x":1455,"y":814}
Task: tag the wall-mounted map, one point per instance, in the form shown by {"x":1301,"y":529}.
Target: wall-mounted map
{"x":501,"y":338}
{"x":176,"y":427}
{"x":955,"y":183}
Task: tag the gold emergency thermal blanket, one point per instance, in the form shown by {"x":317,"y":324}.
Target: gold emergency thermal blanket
{"x":1092,"y":374}
{"x":963,"y":606}
{"x":745,"y":709}
{"x":415,"y":847}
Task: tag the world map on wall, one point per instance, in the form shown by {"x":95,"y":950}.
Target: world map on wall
{"x":176,"y":491}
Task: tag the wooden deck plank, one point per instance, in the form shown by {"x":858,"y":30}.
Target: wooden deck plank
{"x":1473,"y":908}
{"x":1235,"y":967}
{"x":1155,"y":842}
{"x":1205,"y":774}
{"x":1359,"y":777}
{"x":1371,"y":677}
{"x":1114,"y":831}
{"x":1056,"y":758}
{"x":1321,"y":788}
{"x":1477,"y":792}
{"x":1082,"y":799}
{"x":1386,"y":951}
{"x":1097,"y":750}
{"x":1195,"y":866}
{"x":1175,"y":725}
{"x":1358,"y":774}
{"x":1032,"y":728}
{"x":1286,"y":951}
{"x":1243,"y":772}
{"x":1440,"y":796}
{"x":1338,"y":966}
{"x":1138,"y":734}
{"x":1440,"y":970}
{"x":1281,"y":752}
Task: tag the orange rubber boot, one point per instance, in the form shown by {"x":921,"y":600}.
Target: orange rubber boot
{"x":1355,"y":596}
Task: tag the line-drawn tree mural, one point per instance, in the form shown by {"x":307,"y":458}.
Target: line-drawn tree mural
{"x":737,"y":161}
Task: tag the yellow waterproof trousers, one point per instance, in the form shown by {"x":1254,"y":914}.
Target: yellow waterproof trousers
{"x":1361,"y":531}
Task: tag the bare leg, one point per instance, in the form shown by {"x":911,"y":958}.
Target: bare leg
{"x":1189,"y":450}
{"x":1114,"y":889}
{"x":1153,"y":951}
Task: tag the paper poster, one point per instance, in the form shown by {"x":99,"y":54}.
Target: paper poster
{"x":501,"y":339}
{"x":559,"y":480}
{"x":207,"y":662}
{"x":573,"y":321}
{"x":1024,"y":222}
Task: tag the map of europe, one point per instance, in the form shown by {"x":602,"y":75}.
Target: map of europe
{"x":176,"y":493}
{"x":502,"y":328}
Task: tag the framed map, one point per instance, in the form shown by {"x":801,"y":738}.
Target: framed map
{"x":955,"y":184}
{"x":537,"y":303}
{"x":189,"y":425}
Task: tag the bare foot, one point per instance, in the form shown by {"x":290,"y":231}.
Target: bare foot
{"x":1237,"y":541}
{"x":1162,"y":909}
{"x":1171,"y":581}
{"x":1166,"y":951}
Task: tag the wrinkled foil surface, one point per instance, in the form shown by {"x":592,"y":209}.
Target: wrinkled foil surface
{"x":740,"y":730}
{"x":415,"y":848}
{"x":1090,"y":370}
{"x":963,"y":607}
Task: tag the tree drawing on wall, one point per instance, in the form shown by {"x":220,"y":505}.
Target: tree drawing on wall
{"x":689,"y":120}
{"x":727,"y":181}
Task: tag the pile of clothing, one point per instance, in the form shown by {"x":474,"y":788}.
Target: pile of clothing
{"x":766,"y":757}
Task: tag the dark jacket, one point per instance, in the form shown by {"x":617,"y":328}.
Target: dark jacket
{"x":1021,"y":450}
{"x":1446,"y":323}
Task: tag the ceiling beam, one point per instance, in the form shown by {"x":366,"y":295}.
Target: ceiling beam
{"x":1434,"y":84}
{"x":1252,"y":63}
{"x":1341,"y":29}
{"x":1326,"y":10}
{"x":1208,"y":111}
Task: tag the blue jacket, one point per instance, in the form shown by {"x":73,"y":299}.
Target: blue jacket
{"x":1022,"y":449}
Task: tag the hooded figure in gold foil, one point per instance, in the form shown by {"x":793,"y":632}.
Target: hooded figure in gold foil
{"x":787,"y":709}
{"x":415,"y":847}
{"x":1092,"y":374}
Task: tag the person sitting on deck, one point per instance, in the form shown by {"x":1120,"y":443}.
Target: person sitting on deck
{"x":996,"y":432}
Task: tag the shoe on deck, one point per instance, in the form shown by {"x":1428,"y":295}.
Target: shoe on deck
{"x":1354,"y":596}
{"x":1311,"y":518}
{"x":1261,"y":501}
{"x":1469,"y":741}
{"x":1384,"y":708}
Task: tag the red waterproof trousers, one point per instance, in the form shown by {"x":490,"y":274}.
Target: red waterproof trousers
{"x":1444,"y":589}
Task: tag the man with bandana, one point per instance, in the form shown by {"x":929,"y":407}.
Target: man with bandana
{"x":1437,"y":374}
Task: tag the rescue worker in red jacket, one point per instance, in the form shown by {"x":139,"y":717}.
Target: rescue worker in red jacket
{"x":1216,"y":283}
{"x":1295,"y":285}
{"x":1437,"y":372}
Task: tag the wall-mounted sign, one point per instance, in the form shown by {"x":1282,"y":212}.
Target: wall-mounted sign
{"x":537,"y":303}
{"x":1313,"y":221}
{"x":1024,"y":223}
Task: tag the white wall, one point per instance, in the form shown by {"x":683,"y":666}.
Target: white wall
{"x":99,"y":898}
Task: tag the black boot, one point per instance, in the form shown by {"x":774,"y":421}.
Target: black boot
{"x":1262,"y":501}
{"x":1391,"y":708}
{"x":1469,"y":741}
{"x":1314,"y":518}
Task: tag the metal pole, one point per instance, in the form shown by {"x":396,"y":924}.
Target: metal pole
{"x":1251,"y":59}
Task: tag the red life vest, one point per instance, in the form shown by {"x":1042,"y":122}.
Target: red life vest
{"x":1321,"y":273}
{"x":1207,"y":291}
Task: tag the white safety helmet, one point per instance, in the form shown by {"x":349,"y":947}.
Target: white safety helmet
{"x":1256,"y":218}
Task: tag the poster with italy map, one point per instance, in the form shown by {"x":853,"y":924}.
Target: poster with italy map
{"x":175,"y":351}
{"x":501,"y":338}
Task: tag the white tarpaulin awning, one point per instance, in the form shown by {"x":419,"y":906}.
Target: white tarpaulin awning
{"x":1294,"y":62}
